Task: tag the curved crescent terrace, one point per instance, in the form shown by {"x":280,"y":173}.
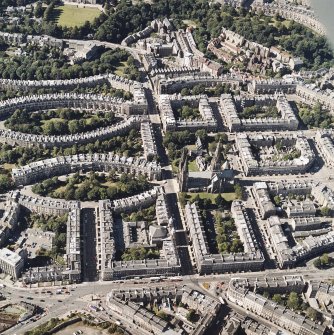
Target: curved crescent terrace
{"x":69,"y":100}
{"x":29,"y":140}
{"x":66,"y":164}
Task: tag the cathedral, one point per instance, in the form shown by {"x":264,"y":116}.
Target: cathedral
{"x":216,"y":178}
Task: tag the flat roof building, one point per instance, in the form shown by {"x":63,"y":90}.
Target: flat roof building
{"x":11,"y":263}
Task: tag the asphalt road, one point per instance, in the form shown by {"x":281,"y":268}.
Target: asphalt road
{"x":88,"y":244}
{"x":80,"y":297}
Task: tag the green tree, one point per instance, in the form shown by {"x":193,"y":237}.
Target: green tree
{"x":5,"y":183}
{"x":49,"y":128}
{"x":237,"y":245}
{"x":191,"y":315}
{"x":74,"y":126}
{"x":277,"y":200}
{"x":196,"y":198}
{"x":313,"y":314}
{"x":317,"y":263}
{"x":221,"y":137}
{"x":277,"y":298}
{"x":325,"y":211}
{"x":198,"y":89}
{"x":38,"y":12}
{"x":219,"y":201}
{"x":185,"y":91}
{"x":294,"y":301}
{"x":202,"y":134}
{"x":238,"y":191}
{"x":182,"y":199}
{"x":161,"y":314}
{"x":266,"y":294}
{"x":325,"y":260}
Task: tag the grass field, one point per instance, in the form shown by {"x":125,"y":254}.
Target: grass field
{"x":73,"y":16}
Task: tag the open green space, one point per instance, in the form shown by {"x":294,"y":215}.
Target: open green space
{"x":129,"y":145}
{"x":62,"y":121}
{"x":190,"y":23}
{"x":74,"y":16}
{"x":92,"y":187}
{"x":204,"y":195}
{"x":192,"y":166}
{"x":128,"y":69}
{"x":120,"y":69}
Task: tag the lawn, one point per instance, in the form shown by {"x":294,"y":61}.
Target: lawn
{"x":120,"y":69}
{"x":109,"y":184}
{"x":175,"y":165}
{"x":191,"y":147}
{"x":211,"y":196}
{"x":190,"y":23}
{"x":192,"y":166}
{"x":44,"y":123}
{"x":9,"y":167}
{"x":71,"y":15}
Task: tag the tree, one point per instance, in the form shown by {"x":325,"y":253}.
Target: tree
{"x":48,"y":12}
{"x":161,"y":314}
{"x":221,"y":137}
{"x":325,"y":260}
{"x":38,"y":10}
{"x":61,"y":127}
{"x":325,"y":211}
{"x":5,"y":183}
{"x":198,"y":89}
{"x":60,"y":242}
{"x":317,"y":263}
{"x":191,"y":315}
{"x":187,"y":113}
{"x":182,"y":199}
{"x":277,"y":298}
{"x":238,"y":191}
{"x":74,"y":126}
{"x":277,"y":200}
{"x":139,"y":253}
{"x":313,"y":314}
{"x":112,"y":176}
{"x":266,"y":294}
{"x":202,"y":134}
{"x":185,"y":91}
{"x":196,"y":199}
{"x":49,"y":128}
{"x":237,"y":245}
{"x":219,"y":201}
{"x":293,"y":301}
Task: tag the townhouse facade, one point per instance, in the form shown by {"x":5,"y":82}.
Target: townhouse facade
{"x":61,"y":165}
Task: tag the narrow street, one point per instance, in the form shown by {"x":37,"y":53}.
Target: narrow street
{"x":88,"y":245}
